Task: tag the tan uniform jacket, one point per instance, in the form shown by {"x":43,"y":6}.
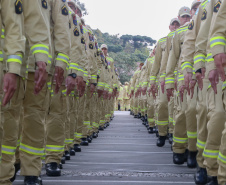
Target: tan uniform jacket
{"x":189,"y":41}
{"x":166,"y":56}
{"x":217,"y":41}
{"x":159,"y":52}
{"x":37,"y":33}
{"x":14,"y":47}
{"x":175,"y":58}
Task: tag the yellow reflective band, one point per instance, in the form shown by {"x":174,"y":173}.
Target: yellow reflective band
{"x":49,"y":85}
{"x":217,"y":41}
{"x":222,"y":158}
{"x":182,"y":30}
{"x":180,"y":140}
{"x":78,"y":135}
{"x":40,"y":48}
{"x":163,"y":75}
{"x":31,"y":150}
{"x":14,"y":58}
{"x":54,"y":148}
{"x":181,"y":78}
{"x":151,"y":120}
{"x":68,"y":141}
{"x":50,"y":59}
{"x":210,"y":153}
{"x":153,"y":78}
{"x":62,"y":57}
{"x":200,"y":144}
{"x":170,"y":80}
{"x":209,"y":58}
{"x":186,"y":65}
{"x":8,"y":150}
{"x":224,"y":85}
{"x":170,"y":119}
{"x":192,"y":135}
{"x":86,"y":122}
{"x":3,"y":34}
{"x":94,"y":77}
{"x":64,"y":92}
{"x":199,"y":58}
{"x":175,"y":73}
{"x":171,"y":34}
{"x":162,"y":122}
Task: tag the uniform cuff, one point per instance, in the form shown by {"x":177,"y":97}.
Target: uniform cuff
{"x":14,"y":68}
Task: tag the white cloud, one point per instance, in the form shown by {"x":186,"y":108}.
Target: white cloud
{"x":144,"y":17}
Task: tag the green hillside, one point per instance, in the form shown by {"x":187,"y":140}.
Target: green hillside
{"x":126,"y":50}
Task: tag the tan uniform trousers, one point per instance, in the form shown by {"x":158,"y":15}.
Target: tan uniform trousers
{"x":216,"y":119}
{"x":185,"y":130}
{"x":10,"y":134}
{"x":151,"y":111}
{"x":127,"y":104}
{"x":80,"y":119}
{"x":156,"y":104}
{"x":1,"y":114}
{"x":135,"y":105}
{"x":102,"y":112}
{"x":55,"y":126}
{"x":93,"y":113}
{"x":33,"y":133}
{"x":163,"y":115}
{"x":201,"y":122}
{"x":171,"y":115}
{"x":85,"y":130}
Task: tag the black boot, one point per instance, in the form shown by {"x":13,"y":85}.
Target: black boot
{"x":77,"y":148}
{"x":67,"y":155}
{"x":72,"y":152}
{"x":139,"y":115}
{"x":161,"y":141}
{"x":201,"y":176}
{"x":84,"y":142}
{"x":178,"y":158}
{"x":135,"y":116}
{"x":63,"y":160}
{"x":95,"y":135}
{"x":61,"y":166}
{"x":170,"y":138}
{"x":101,"y":128}
{"x":191,"y":161}
{"x":31,"y":180}
{"x":150,"y":130}
{"x":17,"y":168}
{"x":89,"y":139}
{"x":142,"y":118}
{"x":213,"y":181}
{"x":52,"y":169}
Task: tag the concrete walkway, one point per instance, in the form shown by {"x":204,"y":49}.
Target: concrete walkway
{"x":123,"y":154}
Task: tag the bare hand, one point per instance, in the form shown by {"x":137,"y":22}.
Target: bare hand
{"x":81,"y":85}
{"x":181,"y":90}
{"x":214,"y":79}
{"x":70,"y":84}
{"x":92,"y":89}
{"x":40,"y":77}
{"x":58,"y":78}
{"x":220,"y":61}
{"x":10,"y":86}
{"x":187,"y":80}
{"x":169,"y":93}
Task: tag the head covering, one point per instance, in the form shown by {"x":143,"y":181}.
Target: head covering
{"x":75,"y":4}
{"x":195,"y":2}
{"x":104,"y":46}
{"x":174,"y":20}
{"x":184,"y":11}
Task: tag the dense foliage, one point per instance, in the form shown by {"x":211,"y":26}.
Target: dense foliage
{"x":127,"y":51}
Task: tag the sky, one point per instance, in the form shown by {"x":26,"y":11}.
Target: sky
{"x":134,"y":17}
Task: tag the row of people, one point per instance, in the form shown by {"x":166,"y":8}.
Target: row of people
{"x":181,"y":90}
{"x":58,"y":87}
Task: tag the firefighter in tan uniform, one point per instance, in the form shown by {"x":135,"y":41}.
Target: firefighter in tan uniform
{"x":160,"y":67}
{"x":194,"y":53}
{"x":216,"y":73}
{"x":126,"y":97}
{"x":33,"y":134}
{"x":150,"y":98}
{"x":14,"y":50}
{"x":180,"y":143}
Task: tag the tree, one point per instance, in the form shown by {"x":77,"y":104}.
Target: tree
{"x":82,"y":5}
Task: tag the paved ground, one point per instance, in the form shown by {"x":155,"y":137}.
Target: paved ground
{"x":123,"y":154}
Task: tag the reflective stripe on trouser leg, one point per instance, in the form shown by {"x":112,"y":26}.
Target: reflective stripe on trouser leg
{"x":163,"y":115}
{"x":80,"y":118}
{"x":180,"y":131}
{"x":222,"y":159}
{"x":151,"y":111}
{"x":10,"y":125}
{"x":86,"y":123}
{"x":201,"y":122}
{"x":216,"y":120}
{"x":55,"y":127}
{"x":33,"y":133}
{"x":171,"y":111}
